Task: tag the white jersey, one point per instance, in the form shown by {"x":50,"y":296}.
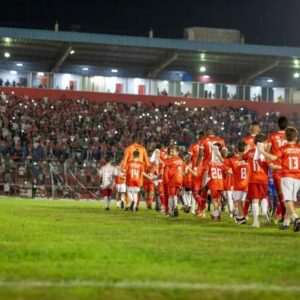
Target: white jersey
{"x":108,"y":173}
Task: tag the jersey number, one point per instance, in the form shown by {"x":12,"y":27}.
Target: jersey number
{"x":256,"y":166}
{"x":216,"y":173}
{"x":293,"y":163}
{"x":243,"y":173}
{"x":134,"y":173}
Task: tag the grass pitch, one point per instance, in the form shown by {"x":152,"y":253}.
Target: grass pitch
{"x":52,"y":249}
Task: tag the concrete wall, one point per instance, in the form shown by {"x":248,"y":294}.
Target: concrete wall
{"x":212,"y":35}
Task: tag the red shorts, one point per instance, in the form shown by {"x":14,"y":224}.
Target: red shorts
{"x":149,"y":188}
{"x":257,"y":191}
{"x":196,"y":183}
{"x":106,"y":192}
{"x":216,"y":194}
{"x":173,"y":190}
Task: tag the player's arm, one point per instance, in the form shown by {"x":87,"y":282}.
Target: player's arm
{"x":217,"y":153}
{"x":267,"y":155}
{"x":274,"y":166}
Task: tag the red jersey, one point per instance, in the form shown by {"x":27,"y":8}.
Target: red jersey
{"x":276,"y":140}
{"x":228,"y":178}
{"x":259,"y":168}
{"x":163,"y":156}
{"x":215,"y":172}
{"x":290,"y":160}
{"x":151,"y":170}
{"x":174,"y":171}
{"x":188,"y":179}
{"x":249,"y":140}
{"x":134,"y":173}
{"x":207,"y":143}
{"x":241,"y":174}
{"x":194,"y":151}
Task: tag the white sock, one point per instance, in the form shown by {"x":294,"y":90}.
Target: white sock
{"x":130,"y":196}
{"x":255,"y":209}
{"x":286,"y":222}
{"x":230,"y":201}
{"x":185,"y":198}
{"x":135,"y":200}
{"x":216,"y":213}
{"x":193,"y":204}
{"x":122,"y":197}
{"x":190,"y":198}
{"x":171,"y":204}
{"x":175,"y":201}
{"x":264,"y":206}
{"x":107,"y":200}
{"x":294,"y":216}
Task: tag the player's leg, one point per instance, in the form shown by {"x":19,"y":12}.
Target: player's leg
{"x":135,"y":195}
{"x":264,"y":208}
{"x":106,"y":195}
{"x":216,"y":199}
{"x":230,"y":203}
{"x":130,"y":198}
{"x":255,"y":207}
{"x":171,"y":200}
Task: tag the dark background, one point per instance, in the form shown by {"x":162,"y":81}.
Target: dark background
{"x":273,"y":22}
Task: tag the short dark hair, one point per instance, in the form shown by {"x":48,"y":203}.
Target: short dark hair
{"x":201,"y":134}
{"x":241,"y":147}
{"x":109,"y":157}
{"x":260,"y":138}
{"x":136,"y":154}
{"x":174,"y":147}
{"x":282,"y":123}
{"x":254,"y":123}
{"x":291,"y":133}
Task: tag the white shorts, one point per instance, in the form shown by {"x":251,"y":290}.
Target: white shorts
{"x":121,"y":188}
{"x":133,"y":189}
{"x":290,"y":188}
{"x":239,"y":195}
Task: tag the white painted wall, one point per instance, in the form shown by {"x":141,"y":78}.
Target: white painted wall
{"x":133,"y":85}
{"x":61,"y":81}
{"x":278,"y":93}
{"x":254,"y":92}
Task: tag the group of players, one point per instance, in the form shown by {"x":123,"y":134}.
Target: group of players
{"x":208,"y":173}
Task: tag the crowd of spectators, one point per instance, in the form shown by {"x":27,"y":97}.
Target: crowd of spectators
{"x":39,"y":129}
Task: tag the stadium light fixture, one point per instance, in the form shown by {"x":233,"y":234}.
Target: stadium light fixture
{"x":13,"y":72}
{"x":296,"y":62}
{"x":202,"y":69}
{"x":72,"y":51}
{"x":270,"y":80}
{"x":40,"y":73}
{"x":114,"y":71}
{"x":206,"y":76}
{"x":296,"y":75}
{"x":7,"y":40}
{"x":202,"y":56}
{"x":19,"y":65}
{"x":85,"y":69}
{"x":6,"y":54}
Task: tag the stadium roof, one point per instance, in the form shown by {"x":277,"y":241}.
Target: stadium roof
{"x":141,"y":56}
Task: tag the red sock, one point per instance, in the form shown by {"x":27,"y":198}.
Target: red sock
{"x":278,"y":210}
{"x":282,"y":204}
{"x":246,"y":207}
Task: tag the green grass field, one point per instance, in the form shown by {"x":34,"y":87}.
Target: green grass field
{"x":59,"y":249}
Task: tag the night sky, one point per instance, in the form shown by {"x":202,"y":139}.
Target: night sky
{"x":270,"y":22}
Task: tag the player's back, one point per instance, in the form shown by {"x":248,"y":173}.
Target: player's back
{"x":258,"y":167}
{"x":241,"y":174}
{"x":175,"y":167}
{"x":108,"y":173}
{"x":215,"y":172}
{"x":207,"y":143}
{"x":134,"y":173}
{"x":249,"y":141}
{"x":128,"y":156}
{"x":290,"y":155}
{"x":276,"y":140}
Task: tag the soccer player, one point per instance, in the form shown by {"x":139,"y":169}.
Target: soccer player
{"x":214,"y":177}
{"x":254,"y":130}
{"x":187,"y":195}
{"x":195,"y":157}
{"x":134,"y":179}
{"x":107,"y":175}
{"x":206,"y":152}
{"x":162,"y":187}
{"x":241,"y":174}
{"x":148,"y":185}
{"x":135,"y":146}
{"x":174,"y":172}
{"x":289,"y":157}
{"x":228,"y":182}
{"x":275,"y":141}
{"x":249,"y":140}
{"x":258,"y":182}
{"x":120,"y":189}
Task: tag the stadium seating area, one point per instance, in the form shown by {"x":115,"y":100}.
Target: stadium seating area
{"x":51,"y":142}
